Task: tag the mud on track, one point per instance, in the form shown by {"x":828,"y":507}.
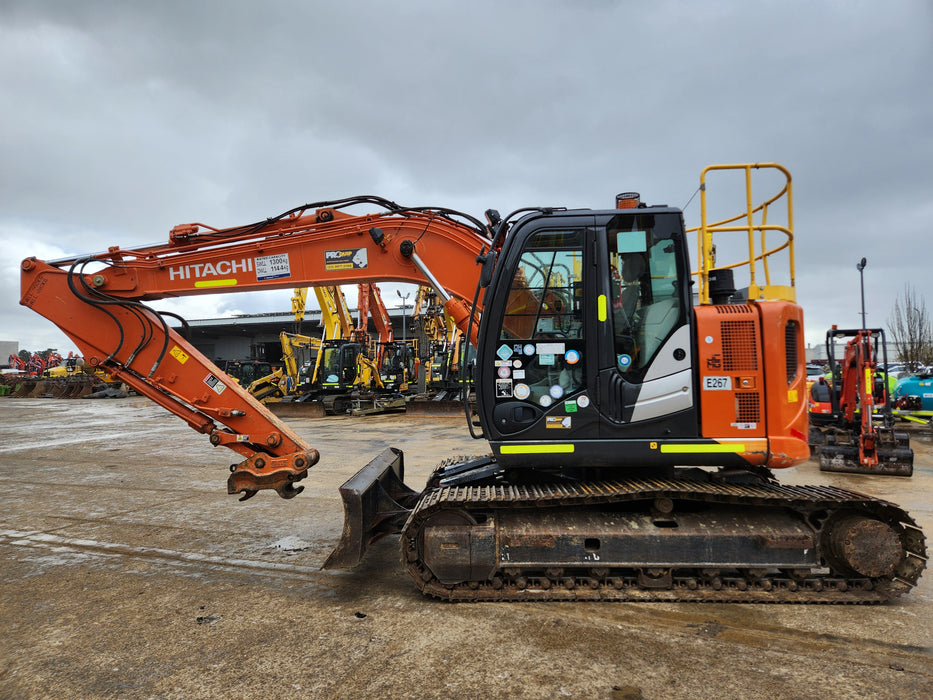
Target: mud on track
{"x":129,"y":572}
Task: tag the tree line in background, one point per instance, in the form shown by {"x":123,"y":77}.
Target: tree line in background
{"x":911,"y":330}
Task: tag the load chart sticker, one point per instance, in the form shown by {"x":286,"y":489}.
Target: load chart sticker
{"x":272,"y":267}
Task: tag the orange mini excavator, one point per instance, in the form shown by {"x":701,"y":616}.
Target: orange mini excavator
{"x":857,"y":434}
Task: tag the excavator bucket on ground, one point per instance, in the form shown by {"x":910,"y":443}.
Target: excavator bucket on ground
{"x":25,"y":388}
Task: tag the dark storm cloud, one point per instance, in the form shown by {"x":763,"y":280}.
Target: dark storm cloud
{"x":121,"y":120}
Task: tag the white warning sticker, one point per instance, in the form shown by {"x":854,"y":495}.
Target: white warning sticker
{"x":215,"y":384}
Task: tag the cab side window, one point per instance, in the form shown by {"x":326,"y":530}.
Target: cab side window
{"x":645,"y":294}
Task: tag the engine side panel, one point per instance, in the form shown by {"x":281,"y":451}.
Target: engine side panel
{"x":751,"y":380}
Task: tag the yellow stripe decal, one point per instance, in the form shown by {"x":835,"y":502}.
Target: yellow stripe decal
{"x":697,"y":449}
{"x":215,"y":283}
{"x":536,"y":449}
{"x":601,"y":307}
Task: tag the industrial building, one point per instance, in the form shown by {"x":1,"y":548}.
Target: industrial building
{"x":256,"y":336}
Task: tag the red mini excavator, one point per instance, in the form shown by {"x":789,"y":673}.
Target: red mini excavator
{"x":857,"y":435}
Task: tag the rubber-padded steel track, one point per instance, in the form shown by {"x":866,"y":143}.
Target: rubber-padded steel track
{"x":736,"y":584}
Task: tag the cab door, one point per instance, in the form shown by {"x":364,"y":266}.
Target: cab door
{"x":646,"y":379}
{"x":536,"y":370}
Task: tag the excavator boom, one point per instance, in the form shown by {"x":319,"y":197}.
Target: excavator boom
{"x":102,"y":310}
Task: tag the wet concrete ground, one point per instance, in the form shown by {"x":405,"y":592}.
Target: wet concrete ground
{"x":127,"y":571}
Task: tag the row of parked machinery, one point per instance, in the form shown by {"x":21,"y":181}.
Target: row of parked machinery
{"x":345,"y":368}
{"x":49,"y":375}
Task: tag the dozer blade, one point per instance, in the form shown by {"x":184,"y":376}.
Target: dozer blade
{"x":297,"y":409}
{"x":434,"y":407}
{"x":892,"y":461}
{"x":376,"y":503}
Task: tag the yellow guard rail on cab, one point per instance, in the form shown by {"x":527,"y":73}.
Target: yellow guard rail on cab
{"x":757,"y":256}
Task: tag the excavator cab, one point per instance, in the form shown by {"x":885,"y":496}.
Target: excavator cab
{"x":438,"y":370}
{"x":247,"y":371}
{"x":587,"y":339}
{"x":397,"y":368}
{"x":339,"y":368}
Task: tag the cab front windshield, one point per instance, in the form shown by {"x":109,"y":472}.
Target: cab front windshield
{"x":393,"y":359}
{"x":541,"y":340}
{"x":339,"y":363}
{"x":330,"y":365}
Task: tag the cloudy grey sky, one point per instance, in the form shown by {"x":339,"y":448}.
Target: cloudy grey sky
{"x":119,"y":120}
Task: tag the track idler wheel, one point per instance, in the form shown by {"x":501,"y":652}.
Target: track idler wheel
{"x":864,"y":546}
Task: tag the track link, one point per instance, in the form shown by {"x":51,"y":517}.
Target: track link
{"x":828,"y":511}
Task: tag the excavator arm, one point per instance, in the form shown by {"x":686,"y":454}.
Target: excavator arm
{"x":335,"y":318}
{"x":101,"y":309}
{"x":379,"y":313}
{"x":299,"y":298}
{"x":856,"y":400}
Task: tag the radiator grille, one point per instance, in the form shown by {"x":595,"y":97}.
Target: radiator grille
{"x":790,"y":350}
{"x":739,"y":346}
{"x":747,"y":407}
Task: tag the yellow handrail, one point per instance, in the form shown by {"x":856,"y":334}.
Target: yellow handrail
{"x":706,"y":231}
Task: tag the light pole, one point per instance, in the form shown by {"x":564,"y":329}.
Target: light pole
{"x":404,"y":306}
{"x":861,"y":273}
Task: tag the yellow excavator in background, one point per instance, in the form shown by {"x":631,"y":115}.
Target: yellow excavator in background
{"x":443,"y":336}
{"x":302,"y":354}
{"x":443,"y":346}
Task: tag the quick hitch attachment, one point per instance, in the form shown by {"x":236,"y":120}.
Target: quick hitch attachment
{"x":267,"y":472}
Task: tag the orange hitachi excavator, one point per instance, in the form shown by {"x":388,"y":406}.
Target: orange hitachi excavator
{"x":631,"y":449}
